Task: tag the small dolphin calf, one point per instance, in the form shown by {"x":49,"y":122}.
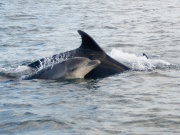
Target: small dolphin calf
{"x":76,"y":67}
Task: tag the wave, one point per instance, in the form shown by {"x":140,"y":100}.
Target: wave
{"x":14,"y":73}
{"x":29,"y":125}
{"x":140,"y":63}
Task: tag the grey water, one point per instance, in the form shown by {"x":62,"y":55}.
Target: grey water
{"x":144,"y":100}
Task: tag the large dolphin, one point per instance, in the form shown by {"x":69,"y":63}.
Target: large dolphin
{"x":90,"y":49}
{"x":76,"y":67}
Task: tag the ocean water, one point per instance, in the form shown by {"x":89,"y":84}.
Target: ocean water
{"x":144,"y":100}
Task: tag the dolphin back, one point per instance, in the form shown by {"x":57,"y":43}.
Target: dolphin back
{"x":55,"y":71}
{"x":88,"y":43}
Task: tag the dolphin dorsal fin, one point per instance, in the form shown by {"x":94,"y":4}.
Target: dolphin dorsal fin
{"x":88,"y":42}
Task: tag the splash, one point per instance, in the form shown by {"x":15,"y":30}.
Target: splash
{"x":135,"y":62}
{"x":15,"y":71}
{"x":49,"y":61}
{"x":53,"y":59}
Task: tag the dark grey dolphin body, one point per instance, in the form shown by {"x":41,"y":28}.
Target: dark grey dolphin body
{"x":90,"y":49}
{"x":76,"y":67}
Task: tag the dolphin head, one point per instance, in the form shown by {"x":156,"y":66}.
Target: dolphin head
{"x":78,"y":67}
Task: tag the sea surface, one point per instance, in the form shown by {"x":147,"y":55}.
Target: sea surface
{"x":142,"y":101}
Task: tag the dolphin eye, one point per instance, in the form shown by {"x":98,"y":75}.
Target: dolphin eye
{"x":73,"y":69}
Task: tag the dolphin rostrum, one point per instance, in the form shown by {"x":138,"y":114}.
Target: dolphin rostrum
{"x":90,"y":49}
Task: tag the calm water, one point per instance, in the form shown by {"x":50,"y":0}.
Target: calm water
{"x":145,"y":100}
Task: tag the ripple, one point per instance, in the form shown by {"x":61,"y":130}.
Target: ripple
{"x":29,"y":114}
{"x":1,"y":4}
{"x":21,"y":17}
{"x":110,"y":27}
{"x":39,"y":124}
{"x":7,"y":105}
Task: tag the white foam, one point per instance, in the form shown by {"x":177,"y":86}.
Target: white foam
{"x":136,"y":62}
{"x":50,"y":61}
{"x":16,"y":72}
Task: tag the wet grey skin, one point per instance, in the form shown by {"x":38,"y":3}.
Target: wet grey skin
{"x":90,"y":49}
{"x":76,"y":67}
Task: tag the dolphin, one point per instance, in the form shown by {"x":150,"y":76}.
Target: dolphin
{"x":76,"y":67}
{"x":89,"y":49}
